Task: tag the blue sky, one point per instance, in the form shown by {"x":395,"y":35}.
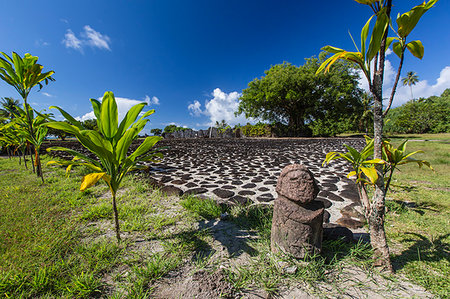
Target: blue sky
{"x":190,"y":60}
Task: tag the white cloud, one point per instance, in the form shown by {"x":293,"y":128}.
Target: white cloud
{"x":403,"y":93}
{"x":194,"y":109}
{"x":96,"y":39}
{"x":89,"y":37}
{"x":151,"y":101}
{"x":71,"y":41}
{"x":41,"y":43}
{"x":123,"y":105}
{"x":422,"y":89}
{"x":47,"y":95}
{"x":221,"y":107}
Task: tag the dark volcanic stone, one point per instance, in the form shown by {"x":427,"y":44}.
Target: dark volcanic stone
{"x":236,"y":182}
{"x":222,"y":193}
{"x":196,"y":191}
{"x":350,"y":223}
{"x":240,"y":200}
{"x":178,"y":182}
{"x":270,"y":182}
{"x":263,"y":189}
{"x":329,"y":187}
{"x":266,"y":197}
{"x":248,"y":186}
{"x":246,"y":192}
{"x":190,"y":185}
{"x":172,"y":190}
{"x":228,"y":187}
{"x":330,"y":195}
{"x":352,"y":195}
{"x":209,"y":185}
{"x":325,"y":201}
{"x":326,"y":217}
{"x":165,"y":179}
{"x":257,"y":180}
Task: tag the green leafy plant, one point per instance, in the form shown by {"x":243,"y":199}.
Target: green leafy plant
{"x":24,"y":74}
{"x":110,"y":145}
{"x":370,"y":58}
{"x":364,"y":168}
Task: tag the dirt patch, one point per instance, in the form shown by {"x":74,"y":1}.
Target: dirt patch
{"x":199,"y":284}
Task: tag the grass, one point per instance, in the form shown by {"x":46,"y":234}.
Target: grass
{"x":58,"y":242}
{"x":418,"y":221}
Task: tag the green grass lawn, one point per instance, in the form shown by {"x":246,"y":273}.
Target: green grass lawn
{"x":56,"y":241}
{"x":418,"y":219}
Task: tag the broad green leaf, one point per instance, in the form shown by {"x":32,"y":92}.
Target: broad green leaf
{"x":129,"y":119}
{"x":364,"y":34}
{"x":407,"y":21}
{"x":398,"y":49}
{"x":148,"y":143}
{"x":69,"y":117}
{"x":332,"y":49}
{"x":353,"y":152}
{"x":109,"y":115}
{"x":370,"y":173}
{"x":92,"y":178}
{"x":366,"y":2}
{"x":416,"y":48}
{"x":378,"y":31}
{"x":73,"y":153}
{"x":351,"y":173}
{"x":374,"y":161}
{"x":63,"y":126}
{"x":124,"y":143}
{"x":389,"y":41}
{"x":97,"y":107}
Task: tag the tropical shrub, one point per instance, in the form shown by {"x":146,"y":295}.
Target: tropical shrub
{"x":110,"y":145}
{"x":24,"y":74}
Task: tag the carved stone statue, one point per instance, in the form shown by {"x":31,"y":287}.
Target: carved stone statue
{"x":297,"y":217}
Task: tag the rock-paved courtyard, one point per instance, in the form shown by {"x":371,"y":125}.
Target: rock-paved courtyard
{"x":246,"y":171}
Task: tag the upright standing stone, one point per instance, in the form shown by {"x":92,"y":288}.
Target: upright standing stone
{"x":297,"y":217}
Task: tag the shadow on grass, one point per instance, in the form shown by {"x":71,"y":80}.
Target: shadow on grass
{"x":423,"y":249}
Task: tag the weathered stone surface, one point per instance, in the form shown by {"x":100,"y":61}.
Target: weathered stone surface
{"x":222,"y":193}
{"x":297,"y":183}
{"x":297,"y":229}
{"x":265,"y":197}
{"x":349,"y":222}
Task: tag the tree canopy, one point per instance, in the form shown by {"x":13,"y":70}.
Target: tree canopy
{"x":296,"y":96}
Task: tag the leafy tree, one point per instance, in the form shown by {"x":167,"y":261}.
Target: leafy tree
{"x":24,"y":74}
{"x":431,"y":115}
{"x":173,"y":128}
{"x":371,"y":60}
{"x":9,"y":108}
{"x":410,"y":80}
{"x":295,"y":96}
{"x":156,"y":131}
{"x":90,"y":124}
{"x":110,"y":145}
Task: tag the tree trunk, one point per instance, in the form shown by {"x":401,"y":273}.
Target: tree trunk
{"x":38,"y":165}
{"x":116,"y":216}
{"x":377,"y":207}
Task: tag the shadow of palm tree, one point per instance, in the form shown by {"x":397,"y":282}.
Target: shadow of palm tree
{"x":423,"y":249}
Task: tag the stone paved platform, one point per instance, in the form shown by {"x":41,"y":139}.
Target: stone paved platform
{"x":246,"y":170}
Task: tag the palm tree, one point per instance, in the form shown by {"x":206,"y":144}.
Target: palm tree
{"x":410,"y":79}
{"x":9,"y":107}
